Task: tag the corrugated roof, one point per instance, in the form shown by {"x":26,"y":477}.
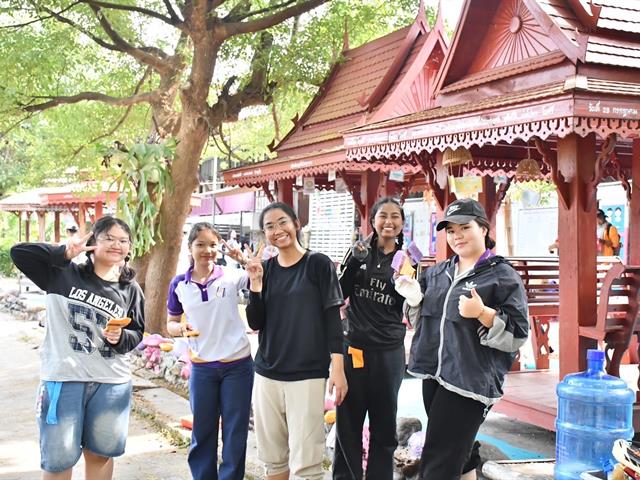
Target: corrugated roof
{"x":611,"y":51}
{"x":360,"y":74}
{"x":602,"y":46}
{"x":623,"y":15}
{"x":338,"y":109}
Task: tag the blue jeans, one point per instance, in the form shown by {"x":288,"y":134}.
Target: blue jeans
{"x":87,"y":415}
{"x":215,"y":394}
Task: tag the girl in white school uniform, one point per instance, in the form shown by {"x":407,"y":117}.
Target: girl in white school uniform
{"x":222,"y":369}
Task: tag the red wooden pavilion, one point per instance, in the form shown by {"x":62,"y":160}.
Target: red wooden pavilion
{"x":388,"y":77}
{"x":84,"y":201}
{"x":558,"y":75}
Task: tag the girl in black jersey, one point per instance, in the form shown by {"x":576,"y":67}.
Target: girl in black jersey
{"x":84,"y":397}
{"x":294,"y":301}
{"x":374,"y":347}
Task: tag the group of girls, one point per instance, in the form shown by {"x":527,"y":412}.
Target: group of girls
{"x":469,"y":312}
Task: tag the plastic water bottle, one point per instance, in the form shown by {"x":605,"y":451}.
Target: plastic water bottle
{"x":594,"y":409}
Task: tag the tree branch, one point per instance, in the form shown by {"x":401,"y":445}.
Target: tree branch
{"x":141,"y":54}
{"x":257,"y":91}
{"x":172,"y":13}
{"x":90,"y":96}
{"x":136,"y":90}
{"x":39,"y":19}
{"x":129,"y":8}
{"x":238,"y":28}
{"x":14,"y":125}
{"x":270,"y":9}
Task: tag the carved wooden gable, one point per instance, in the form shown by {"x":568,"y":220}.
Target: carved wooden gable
{"x":513,"y":36}
{"x":419,"y":95}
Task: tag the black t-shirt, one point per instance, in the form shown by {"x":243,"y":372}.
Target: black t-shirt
{"x":295,"y":337}
{"x":374,"y":314}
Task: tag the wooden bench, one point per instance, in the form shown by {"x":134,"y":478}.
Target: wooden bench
{"x":541,"y":279}
{"x":617,"y":317}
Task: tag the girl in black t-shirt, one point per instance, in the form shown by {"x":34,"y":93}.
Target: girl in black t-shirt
{"x":294,"y":301}
{"x":374,"y":347}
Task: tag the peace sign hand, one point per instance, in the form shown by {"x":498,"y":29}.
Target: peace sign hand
{"x":235,"y":253}
{"x":76,"y":246}
{"x":254,"y":269}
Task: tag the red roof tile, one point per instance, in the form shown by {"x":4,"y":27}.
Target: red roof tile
{"x":338,"y":108}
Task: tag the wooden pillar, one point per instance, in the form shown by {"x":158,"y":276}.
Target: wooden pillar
{"x":489,"y":201}
{"x":56,"y":227}
{"x":285,"y":190}
{"x":576,"y":157}
{"x":27,"y":226}
{"x":633,"y":238}
{"x":369,"y":187}
{"x":98,"y":210}
{"x":41,"y":226}
{"x":82,"y":218}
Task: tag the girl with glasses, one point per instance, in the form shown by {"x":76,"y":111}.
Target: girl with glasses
{"x":294,"y":301}
{"x":221,"y":366}
{"x":85,"y":391}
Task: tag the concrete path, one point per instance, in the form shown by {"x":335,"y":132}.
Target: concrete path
{"x":149,"y":455}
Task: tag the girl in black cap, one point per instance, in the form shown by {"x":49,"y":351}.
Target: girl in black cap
{"x":469,"y":327}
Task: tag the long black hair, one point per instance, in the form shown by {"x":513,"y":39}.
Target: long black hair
{"x":103,"y":225}
{"x":288,"y":211}
{"x":372,"y":216}
{"x":195,"y":230}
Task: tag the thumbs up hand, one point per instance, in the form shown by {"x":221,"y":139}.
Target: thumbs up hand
{"x":471,"y":307}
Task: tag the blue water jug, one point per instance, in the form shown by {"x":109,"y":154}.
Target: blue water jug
{"x":594,"y":409}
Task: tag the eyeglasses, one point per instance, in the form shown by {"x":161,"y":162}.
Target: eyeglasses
{"x":112,"y":242}
{"x":281,"y":224}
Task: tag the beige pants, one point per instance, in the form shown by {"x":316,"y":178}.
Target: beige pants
{"x":289,"y":425}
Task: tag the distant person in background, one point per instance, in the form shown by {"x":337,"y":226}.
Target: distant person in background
{"x":608,"y":236}
{"x":71,"y":229}
{"x":553,"y":248}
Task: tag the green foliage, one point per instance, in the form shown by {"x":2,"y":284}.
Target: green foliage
{"x":142,"y":175}
{"x":7,"y":268}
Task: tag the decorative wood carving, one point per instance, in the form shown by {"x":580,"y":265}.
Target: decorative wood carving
{"x":355,"y":194}
{"x":420,"y":93}
{"x":551,"y":161}
{"x":514,"y":36}
{"x":428,"y":163}
{"x":267,"y":192}
{"x":543,"y":129}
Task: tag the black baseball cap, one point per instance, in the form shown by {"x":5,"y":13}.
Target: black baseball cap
{"x":462,"y":211}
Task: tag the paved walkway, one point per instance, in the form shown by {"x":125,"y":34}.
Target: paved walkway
{"x":150,"y":456}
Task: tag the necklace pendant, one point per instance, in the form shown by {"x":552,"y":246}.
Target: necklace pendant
{"x":379,"y":265}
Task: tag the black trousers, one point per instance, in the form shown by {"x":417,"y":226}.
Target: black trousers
{"x":453,"y":423}
{"x":373,"y":389}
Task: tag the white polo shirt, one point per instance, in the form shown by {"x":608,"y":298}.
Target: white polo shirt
{"x":212,"y":309}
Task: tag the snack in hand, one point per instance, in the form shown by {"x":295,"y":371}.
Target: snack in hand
{"x":192,"y":333}
{"x":398,"y":261}
{"x":118,"y":322}
{"x":414,"y":253}
{"x":407,"y":269}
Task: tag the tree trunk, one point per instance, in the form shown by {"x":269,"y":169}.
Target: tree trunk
{"x":174,"y":210}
